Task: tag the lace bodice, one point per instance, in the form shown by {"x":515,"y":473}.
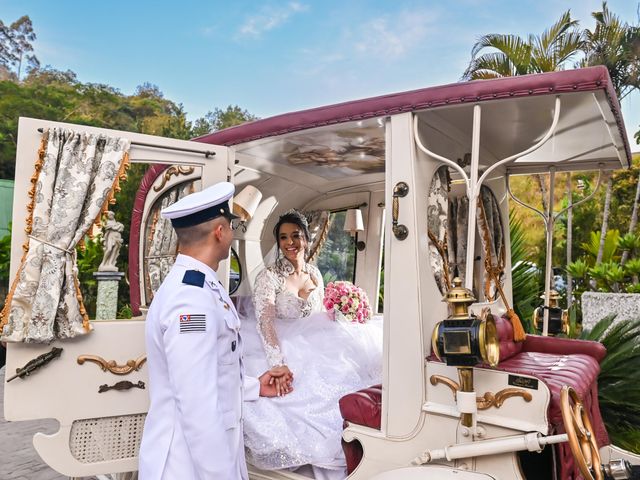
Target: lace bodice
{"x":273,"y":301}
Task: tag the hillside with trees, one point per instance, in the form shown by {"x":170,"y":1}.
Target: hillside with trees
{"x":29,"y":90}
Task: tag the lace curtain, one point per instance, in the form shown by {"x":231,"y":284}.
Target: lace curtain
{"x":74,"y":182}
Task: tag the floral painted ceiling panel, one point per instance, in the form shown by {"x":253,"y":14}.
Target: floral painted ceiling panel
{"x":328,"y":152}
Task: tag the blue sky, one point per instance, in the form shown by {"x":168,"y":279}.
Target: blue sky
{"x":272,"y":57}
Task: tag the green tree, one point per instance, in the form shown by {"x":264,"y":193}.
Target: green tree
{"x":511,"y":55}
{"x":219,"y":119}
{"x":5,"y":261}
{"x":616,"y":45}
{"x":16,"y":48}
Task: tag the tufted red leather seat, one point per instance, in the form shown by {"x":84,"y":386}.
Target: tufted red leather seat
{"x":555,"y":361}
{"x":363,"y":407}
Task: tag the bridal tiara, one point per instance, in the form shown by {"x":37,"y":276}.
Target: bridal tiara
{"x":299,"y":214}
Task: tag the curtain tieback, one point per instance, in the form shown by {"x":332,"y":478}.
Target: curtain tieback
{"x":70,"y":252}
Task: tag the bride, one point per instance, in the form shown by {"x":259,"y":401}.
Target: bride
{"x":302,"y":427}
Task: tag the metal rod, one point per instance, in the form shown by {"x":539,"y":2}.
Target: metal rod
{"x":473,"y":198}
{"x":444,"y":160}
{"x":549,"y":257}
{"x":207,"y":153}
{"x":533,"y":148}
{"x":532,"y":442}
{"x":595,"y":190}
{"x":342,"y":209}
{"x":520,"y":202}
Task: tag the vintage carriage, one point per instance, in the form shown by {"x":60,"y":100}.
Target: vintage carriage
{"x":460,"y":398}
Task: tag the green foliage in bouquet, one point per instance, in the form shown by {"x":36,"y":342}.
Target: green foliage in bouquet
{"x":619,"y":379}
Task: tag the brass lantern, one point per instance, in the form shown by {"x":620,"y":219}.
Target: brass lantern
{"x":463,"y":340}
{"x":558,"y":318}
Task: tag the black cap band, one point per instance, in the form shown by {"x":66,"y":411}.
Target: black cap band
{"x":220,"y":210}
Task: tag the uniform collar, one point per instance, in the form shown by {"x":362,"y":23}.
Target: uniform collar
{"x":193,"y":264}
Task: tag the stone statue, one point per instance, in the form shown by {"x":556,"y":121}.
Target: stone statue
{"x":111,"y":242}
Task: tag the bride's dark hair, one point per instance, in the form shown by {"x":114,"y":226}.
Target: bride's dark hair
{"x":295,"y":217}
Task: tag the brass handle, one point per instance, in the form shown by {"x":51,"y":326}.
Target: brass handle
{"x":112,"y":366}
{"x":436,"y":379}
{"x":400,"y":231}
{"x":489,"y":399}
{"x":121,"y":386}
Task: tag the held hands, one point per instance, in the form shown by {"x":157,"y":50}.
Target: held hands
{"x":276,"y":382}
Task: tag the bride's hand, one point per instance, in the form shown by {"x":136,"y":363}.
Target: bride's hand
{"x":282,"y":378}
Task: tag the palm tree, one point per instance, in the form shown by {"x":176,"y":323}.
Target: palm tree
{"x":615,"y":45}
{"x":512,"y":55}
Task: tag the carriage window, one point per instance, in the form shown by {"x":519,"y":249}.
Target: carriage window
{"x":160,"y":241}
{"x":337,"y":257}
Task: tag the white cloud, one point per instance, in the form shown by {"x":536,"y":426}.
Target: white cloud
{"x":393,"y":36}
{"x":269,"y":19}
{"x":364,"y":47}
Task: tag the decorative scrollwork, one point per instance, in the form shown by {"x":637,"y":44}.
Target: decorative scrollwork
{"x":170,"y":172}
{"x":112,"y":366}
{"x":489,"y":399}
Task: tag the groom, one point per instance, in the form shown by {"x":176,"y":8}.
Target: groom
{"x":197,"y":385}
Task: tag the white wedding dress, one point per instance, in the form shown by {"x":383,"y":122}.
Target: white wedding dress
{"x":329,"y":359}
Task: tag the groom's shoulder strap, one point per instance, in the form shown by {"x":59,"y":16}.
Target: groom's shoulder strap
{"x":194,"y":277}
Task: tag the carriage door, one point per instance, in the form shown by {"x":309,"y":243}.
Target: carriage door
{"x":95,"y":386}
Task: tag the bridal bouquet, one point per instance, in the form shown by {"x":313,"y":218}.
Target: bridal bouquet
{"x":346,"y":300}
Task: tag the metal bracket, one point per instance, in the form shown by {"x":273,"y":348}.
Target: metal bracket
{"x":121,"y":386}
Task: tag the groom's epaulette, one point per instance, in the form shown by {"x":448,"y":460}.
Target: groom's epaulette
{"x":193,"y":277}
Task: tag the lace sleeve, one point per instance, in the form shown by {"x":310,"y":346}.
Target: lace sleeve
{"x":264,"y":298}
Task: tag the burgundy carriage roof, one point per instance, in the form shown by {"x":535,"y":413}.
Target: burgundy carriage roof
{"x":585,"y":79}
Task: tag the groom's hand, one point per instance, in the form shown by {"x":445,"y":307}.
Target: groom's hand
{"x":276,"y":382}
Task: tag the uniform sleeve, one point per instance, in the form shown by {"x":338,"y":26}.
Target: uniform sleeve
{"x":192,"y":363}
{"x":264,"y":298}
{"x":251,"y":387}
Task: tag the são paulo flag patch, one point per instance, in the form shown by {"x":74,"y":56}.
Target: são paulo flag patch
{"x":193,"y":323}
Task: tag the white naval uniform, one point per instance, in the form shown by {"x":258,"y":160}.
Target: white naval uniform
{"x":193,"y":430}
